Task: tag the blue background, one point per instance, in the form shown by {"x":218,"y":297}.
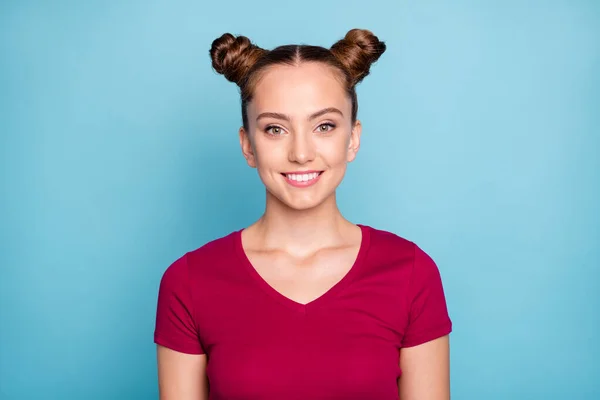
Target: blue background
{"x":119,"y":153}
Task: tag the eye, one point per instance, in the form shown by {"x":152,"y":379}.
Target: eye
{"x":274,"y":130}
{"x":326,"y":127}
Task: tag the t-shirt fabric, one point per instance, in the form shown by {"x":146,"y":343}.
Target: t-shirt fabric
{"x":261,"y":345}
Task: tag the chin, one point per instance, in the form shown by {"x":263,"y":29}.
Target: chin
{"x":303,"y":205}
{"x":300,"y":203}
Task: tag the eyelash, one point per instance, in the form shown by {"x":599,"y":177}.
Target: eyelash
{"x":269,"y":127}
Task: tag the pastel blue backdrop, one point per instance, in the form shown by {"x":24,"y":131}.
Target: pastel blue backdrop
{"x":119,"y":153}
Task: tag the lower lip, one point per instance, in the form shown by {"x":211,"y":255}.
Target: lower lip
{"x":303,"y":183}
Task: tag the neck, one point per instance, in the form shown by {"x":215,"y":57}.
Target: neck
{"x":302,"y":231}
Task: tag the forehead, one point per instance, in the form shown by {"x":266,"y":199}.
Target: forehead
{"x":298,"y":90}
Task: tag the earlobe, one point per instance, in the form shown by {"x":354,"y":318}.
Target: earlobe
{"x":246,"y":146}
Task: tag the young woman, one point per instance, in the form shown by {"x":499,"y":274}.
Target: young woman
{"x":302,"y":304}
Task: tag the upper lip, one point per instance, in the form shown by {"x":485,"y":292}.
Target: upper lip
{"x":301,"y":172}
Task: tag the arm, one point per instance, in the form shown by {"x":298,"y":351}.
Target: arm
{"x":181,"y":376}
{"x":425,"y":348}
{"x":180,"y":356}
{"x":425,"y":371}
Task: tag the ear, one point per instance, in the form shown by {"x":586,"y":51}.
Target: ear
{"x":354,"y":142}
{"x":247,"y":149}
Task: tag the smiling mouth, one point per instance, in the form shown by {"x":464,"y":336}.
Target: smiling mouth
{"x":302,"y":178}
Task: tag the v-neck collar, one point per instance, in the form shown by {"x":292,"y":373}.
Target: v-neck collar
{"x":323,"y":298}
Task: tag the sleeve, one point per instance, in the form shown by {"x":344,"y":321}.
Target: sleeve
{"x":428,"y":317}
{"x":175,"y":326}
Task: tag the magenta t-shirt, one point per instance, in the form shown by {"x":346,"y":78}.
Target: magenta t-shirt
{"x":263,"y":345}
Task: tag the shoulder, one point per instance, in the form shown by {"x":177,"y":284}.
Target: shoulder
{"x":201,"y":258}
{"x":387,"y":240}
{"x":391,"y":246}
{"x":214,"y":250}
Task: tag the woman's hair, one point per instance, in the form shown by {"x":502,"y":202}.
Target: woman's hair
{"x":243,"y":63}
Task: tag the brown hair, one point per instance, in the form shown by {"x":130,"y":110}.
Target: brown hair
{"x":242,"y":62}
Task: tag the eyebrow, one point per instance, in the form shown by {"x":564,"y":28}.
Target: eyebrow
{"x":311,"y":117}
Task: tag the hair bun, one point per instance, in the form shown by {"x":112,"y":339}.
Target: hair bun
{"x":357,"y":51}
{"x":234,"y":56}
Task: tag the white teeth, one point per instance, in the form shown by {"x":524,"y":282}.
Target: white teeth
{"x":302,"y":177}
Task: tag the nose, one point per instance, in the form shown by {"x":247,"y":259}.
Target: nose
{"x":302,"y":148}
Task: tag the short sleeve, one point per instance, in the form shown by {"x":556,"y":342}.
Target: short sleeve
{"x":175,"y":325}
{"x":428,"y":317}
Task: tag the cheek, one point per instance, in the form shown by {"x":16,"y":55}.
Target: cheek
{"x":268,"y":155}
{"x":335,"y":151}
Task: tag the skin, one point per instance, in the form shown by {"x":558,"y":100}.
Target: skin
{"x":304,"y":262}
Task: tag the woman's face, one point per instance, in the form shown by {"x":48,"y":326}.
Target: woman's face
{"x":300,"y":133}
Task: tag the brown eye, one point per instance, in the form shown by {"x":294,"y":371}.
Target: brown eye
{"x":324,"y":128}
{"x":274,"y":130}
